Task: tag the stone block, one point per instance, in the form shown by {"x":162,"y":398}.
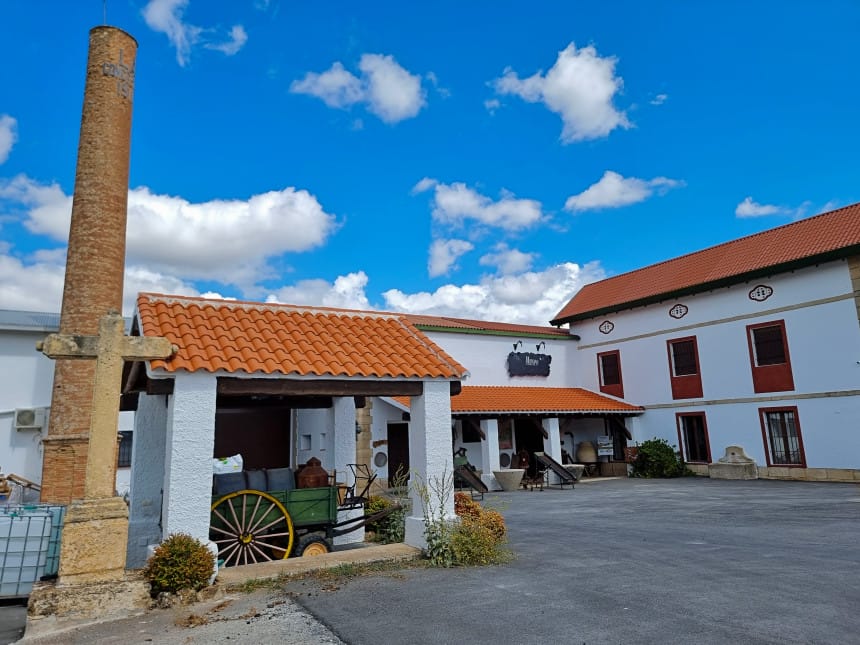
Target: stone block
{"x":95,"y":533}
{"x":816,"y":474}
{"x":732,"y":471}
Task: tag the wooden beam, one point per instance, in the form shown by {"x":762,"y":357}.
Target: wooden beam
{"x":159,"y":386}
{"x":228,"y":386}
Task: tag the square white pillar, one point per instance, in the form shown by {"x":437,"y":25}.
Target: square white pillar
{"x":190,"y":446}
{"x":147,"y":478}
{"x":490,"y":453}
{"x":552,"y":443}
{"x":430,"y":458}
{"x":344,"y":453}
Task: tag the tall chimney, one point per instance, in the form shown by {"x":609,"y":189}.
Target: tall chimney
{"x":95,"y":261}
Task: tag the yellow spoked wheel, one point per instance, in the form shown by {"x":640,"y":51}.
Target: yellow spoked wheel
{"x":250,"y":526}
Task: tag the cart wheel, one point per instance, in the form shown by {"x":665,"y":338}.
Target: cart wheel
{"x":250,"y":526}
{"x":312,"y":544}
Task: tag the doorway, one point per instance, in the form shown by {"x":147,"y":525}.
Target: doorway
{"x":398,"y":452}
{"x":528,"y":434}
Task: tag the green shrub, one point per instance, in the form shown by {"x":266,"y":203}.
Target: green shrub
{"x":391,"y":528}
{"x":657,"y":458}
{"x":180,"y":562}
{"x":473,"y":543}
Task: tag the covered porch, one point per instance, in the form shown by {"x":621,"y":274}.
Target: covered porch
{"x":279,"y":385}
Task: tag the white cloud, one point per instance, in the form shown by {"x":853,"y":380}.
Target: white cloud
{"x":508,"y":261}
{"x":749,"y":208}
{"x":660,"y":99}
{"x":613,"y":191}
{"x":455,"y":203}
{"x":337,"y":87}
{"x":8,"y":136}
{"x":393,"y":94}
{"x":238,"y":38}
{"x":444,"y":92}
{"x":580,"y":87}
{"x":492,"y":105}
{"x":37,"y":284}
{"x":225,"y":240}
{"x":388,"y":90}
{"x":166,"y":16}
{"x":346,"y":292}
{"x":530,"y":298}
{"x":444,"y":255}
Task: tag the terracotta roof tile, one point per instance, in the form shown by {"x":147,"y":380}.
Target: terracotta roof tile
{"x":252,"y":337}
{"x":479,"y":399}
{"x":469,"y":325}
{"x":805,"y":242}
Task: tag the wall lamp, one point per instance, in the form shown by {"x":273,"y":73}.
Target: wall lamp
{"x":538,"y":346}
{"x":519,"y":342}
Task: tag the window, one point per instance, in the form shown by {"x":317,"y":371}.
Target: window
{"x":769,"y":357}
{"x":124,"y":455}
{"x":609,"y":371}
{"x":693,"y":437}
{"x":684,"y":376}
{"x":783,"y":442}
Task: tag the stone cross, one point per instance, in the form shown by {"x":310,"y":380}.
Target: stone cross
{"x":111,"y":348}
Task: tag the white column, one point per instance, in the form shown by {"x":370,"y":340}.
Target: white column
{"x":430,"y":457}
{"x":190,"y":445}
{"x":552,"y":444}
{"x":490,"y":452}
{"x":344,"y":453}
{"x":147,"y":478}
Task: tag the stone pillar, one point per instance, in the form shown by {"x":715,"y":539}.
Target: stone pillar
{"x":190,"y":445}
{"x":363,"y":417}
{"x":552,"y":443}
{"x":96,"y":252}
{"x":344,"y":453}
{"x":430,"y":457}
{"x":147,"y":478}
{"x":490,"y":453}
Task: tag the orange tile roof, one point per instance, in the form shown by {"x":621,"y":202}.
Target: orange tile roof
{"x":809,"y":241}
{"x":482,"y":326}
{"x":253,"y":337}
{"x":480,"y":399}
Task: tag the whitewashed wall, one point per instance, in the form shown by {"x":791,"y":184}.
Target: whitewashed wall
{"x":485,"y":357}
{"x":824,"y":348}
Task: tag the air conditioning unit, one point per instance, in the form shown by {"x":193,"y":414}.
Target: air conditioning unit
{"x":29,"y":418}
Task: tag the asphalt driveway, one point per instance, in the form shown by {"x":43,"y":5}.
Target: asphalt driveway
{"x":633,"y":561}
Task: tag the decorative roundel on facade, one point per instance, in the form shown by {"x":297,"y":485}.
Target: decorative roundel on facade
{"x":761,"y":292}
{"x":380,"y":459}
{"x":606,"y":327}
{"x":679,"y":311}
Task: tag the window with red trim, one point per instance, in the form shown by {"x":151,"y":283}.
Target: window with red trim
{"x":609,"y":371}
{"x":693,"y":437}
{"x":783,"y":442}
{"x":684,"y":375}
{"x":769,"y":357}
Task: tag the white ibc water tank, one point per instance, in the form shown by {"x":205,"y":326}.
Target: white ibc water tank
{"x":24,"y":541}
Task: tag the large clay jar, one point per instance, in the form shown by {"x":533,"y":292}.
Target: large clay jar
{"x":313,"y":475}
{"x":586,"y":453}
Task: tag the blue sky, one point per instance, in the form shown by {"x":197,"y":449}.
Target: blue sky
{"x":480,"y":159}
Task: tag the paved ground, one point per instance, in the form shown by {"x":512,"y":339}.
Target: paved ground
{"x":634,"y":561}
{"x":625,"y":561}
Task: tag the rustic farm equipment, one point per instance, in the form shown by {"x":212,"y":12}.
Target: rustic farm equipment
{"x":251,"y":526}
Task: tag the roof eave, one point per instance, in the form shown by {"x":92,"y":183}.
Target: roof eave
{"x":784,"y":267}
{"x":488,"y":332}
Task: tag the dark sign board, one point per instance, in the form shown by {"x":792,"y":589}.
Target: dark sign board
{"x":528,"y":364}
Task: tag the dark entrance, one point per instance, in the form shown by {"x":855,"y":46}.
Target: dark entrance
{"x":528,"y":436}
{"x":398,"y":452}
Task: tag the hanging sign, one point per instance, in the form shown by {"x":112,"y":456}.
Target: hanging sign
{"x":528,"y":364}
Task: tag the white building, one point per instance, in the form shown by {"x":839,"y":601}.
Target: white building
{"x":754,"y":342}
{"x":26,"y":379}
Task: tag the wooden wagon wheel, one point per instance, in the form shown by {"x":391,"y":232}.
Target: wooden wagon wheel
{"x":250,"y":526}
